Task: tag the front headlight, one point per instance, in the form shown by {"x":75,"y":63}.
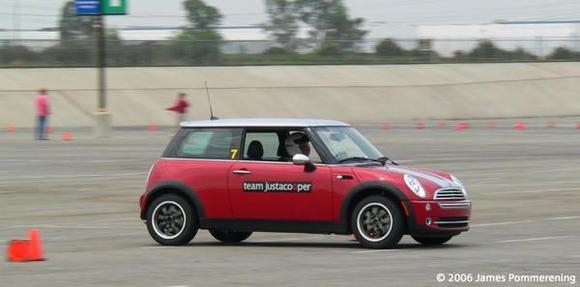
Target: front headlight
{"x":414,"y":185}
{"x":458,"y":182}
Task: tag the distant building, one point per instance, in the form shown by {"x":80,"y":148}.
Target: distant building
{"x":539,"y":38}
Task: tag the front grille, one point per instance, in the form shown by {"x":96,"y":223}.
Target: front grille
{"x":453,"y":222}
{"x":449,"y":194}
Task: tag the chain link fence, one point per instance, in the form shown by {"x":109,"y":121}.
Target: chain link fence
{"x":55,"y":53}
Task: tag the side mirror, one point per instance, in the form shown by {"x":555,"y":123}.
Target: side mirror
{"x":300,"y":159}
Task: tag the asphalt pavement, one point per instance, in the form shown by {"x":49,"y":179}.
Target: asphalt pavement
{"x":82,"y":195}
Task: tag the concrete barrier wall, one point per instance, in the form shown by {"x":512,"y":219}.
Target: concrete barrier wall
{"x":138,"y":96}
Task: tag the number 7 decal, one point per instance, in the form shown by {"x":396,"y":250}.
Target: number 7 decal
{"x":233,"y":153}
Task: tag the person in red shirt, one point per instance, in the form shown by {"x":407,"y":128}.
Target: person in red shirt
{"x":180,"y":108}
{"x":42,"y":112}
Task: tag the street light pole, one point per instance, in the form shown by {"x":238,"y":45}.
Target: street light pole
{"x":102,"y":117}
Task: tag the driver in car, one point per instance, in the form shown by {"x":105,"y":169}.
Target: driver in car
{"x":298,"y":143}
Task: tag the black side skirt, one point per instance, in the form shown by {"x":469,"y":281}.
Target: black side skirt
{"x":318,"y":227}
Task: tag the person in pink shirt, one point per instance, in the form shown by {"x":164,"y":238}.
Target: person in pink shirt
{"x":180,"y":108}
{"x":42,"y":113}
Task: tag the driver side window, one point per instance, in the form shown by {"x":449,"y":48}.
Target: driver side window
{"x":278,"y":145}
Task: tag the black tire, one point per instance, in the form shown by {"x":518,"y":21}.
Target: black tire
{"x":431,"y":241}
{"x":229,"y":236}
{"x":171,"y":220}
{"x":377,"y":222}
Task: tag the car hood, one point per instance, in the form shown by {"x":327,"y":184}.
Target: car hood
{"x":439,"y":178}
{"x":430,"y":179}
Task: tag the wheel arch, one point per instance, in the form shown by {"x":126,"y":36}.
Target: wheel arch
{"x":363,"y":190}
{"x":177,"y":188}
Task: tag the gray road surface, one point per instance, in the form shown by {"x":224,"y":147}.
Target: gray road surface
{"x":83,"y":194}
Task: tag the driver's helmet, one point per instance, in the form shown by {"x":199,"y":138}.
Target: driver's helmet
{"x":292,"y":142}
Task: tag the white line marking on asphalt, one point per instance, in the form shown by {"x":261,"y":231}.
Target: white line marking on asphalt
{"x":71,"y":227}
{"x":524,"y":221}
{"x":499,"y":223}
{"x":536,"y":191}
{"x":535,"y":239}
{"x":79,"y":175}
{"x":563,"y":218}
{"x":180,"y":286}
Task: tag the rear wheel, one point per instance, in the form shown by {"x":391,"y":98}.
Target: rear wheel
{"x":229,"y":236}
{"x":377,"y":222}
{"x":171,"y":220}
{"x":432,"y":241}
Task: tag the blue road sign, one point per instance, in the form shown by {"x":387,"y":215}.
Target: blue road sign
{"x":87,"y":7}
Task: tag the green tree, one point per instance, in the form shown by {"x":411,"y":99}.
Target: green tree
{"x":283,"y":24}
{"x":486,"y":50}
{"x":201,"y":15}
{"x":329,"y":22}
{"x":389,"y":48}
{"x":563,"y":53}
{"x":73,"y":27}
{"x":198,"y":43}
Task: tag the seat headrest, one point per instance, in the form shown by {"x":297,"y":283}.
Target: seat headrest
{"x":255,"y":150}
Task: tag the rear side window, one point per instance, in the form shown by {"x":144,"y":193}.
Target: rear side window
{"x":205,"y":144}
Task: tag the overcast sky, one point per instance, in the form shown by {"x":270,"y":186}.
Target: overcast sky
{"x":384,"y":18}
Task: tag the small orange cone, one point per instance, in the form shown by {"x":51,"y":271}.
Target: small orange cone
{"x":386,"y":126}
{"x":10,"y":128}
{"x":520,"y":126}
{"x":461,"y":126}
{"x":35,"y":251}
{"x":67,"y":136}
{"x":420,"y":126}
{"x":26,"y":250}
{"x":578,"y":126}
{"x":152,"y":128}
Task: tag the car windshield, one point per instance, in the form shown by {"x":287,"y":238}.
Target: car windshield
{"x":347,"y":144}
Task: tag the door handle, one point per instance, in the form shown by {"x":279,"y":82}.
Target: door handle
{"x":242,"y":171}
{"x":344,"y":177}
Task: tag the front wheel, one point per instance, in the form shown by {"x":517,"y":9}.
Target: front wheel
{"x":229,"y":236}
{"x":171,"y":221}
{"x":432,"y":241}
{"x":377,"y":222}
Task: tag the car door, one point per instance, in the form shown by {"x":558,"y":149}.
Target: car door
{"x":270,"y":188}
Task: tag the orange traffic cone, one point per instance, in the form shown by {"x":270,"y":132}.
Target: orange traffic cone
{"x":578,"y":126}
{"x":152,"y":128}
{"x":520,"y":126}
{"x":35,"y":250}
{"x":10,"y":128}
{"x":461,"y":126}
{"x":386,"y":126}
{"x":420,"y":126}
{"x":67,"y":136}
{"x":26,"y":250}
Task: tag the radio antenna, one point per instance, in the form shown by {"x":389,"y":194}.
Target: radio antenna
{"x":212,"y":117}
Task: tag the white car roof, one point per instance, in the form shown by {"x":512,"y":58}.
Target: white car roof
{"x":264,"y":122}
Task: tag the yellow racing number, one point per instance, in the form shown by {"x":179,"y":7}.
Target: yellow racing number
{"x":234,"y":153}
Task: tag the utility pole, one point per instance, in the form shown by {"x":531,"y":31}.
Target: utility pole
{"x":102,"y":116}
{"x":98,"y":9}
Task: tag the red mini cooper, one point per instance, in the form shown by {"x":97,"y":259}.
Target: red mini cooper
{"x":237,"y":176}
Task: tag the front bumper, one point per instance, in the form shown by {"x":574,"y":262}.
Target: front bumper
{"x":438,"y":217}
